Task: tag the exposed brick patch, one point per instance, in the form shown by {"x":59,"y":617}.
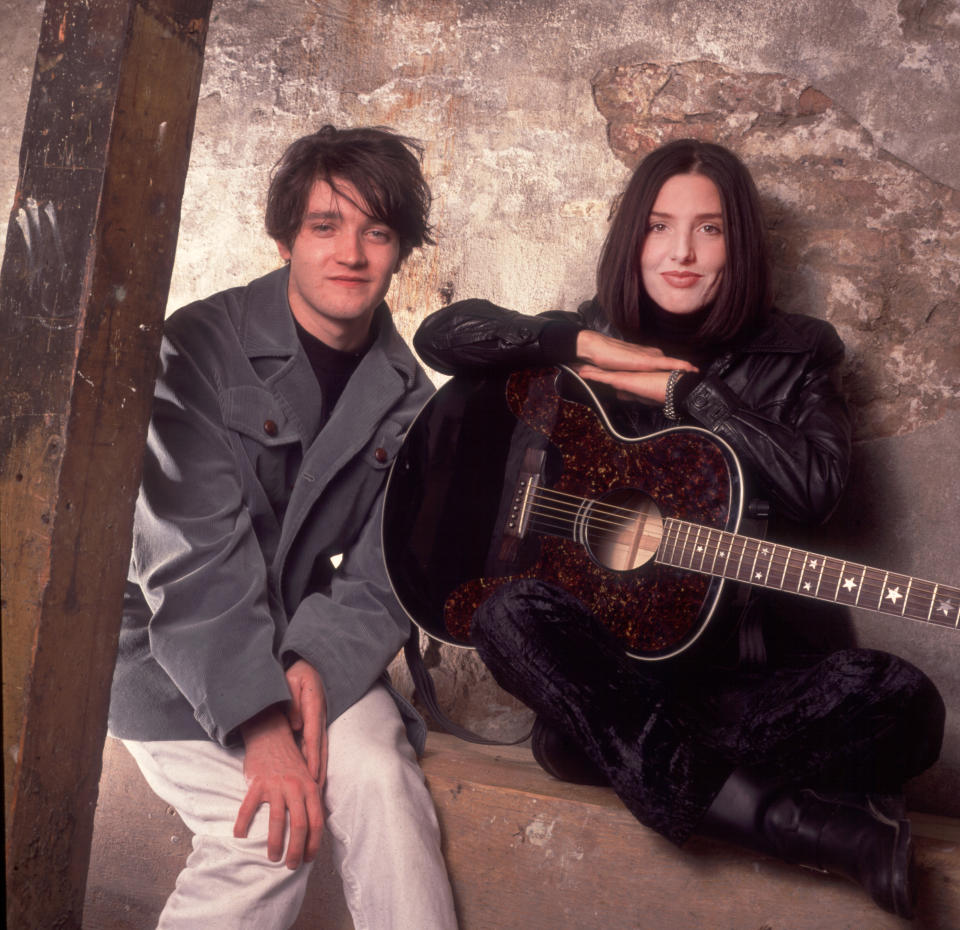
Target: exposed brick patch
{"x":929,"y":20}
{"x":858,"y":237}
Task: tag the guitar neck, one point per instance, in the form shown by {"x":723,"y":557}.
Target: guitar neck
{"x":783,"y":568}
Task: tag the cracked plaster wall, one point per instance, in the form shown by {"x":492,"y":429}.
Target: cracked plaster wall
{"x":532,"y":113}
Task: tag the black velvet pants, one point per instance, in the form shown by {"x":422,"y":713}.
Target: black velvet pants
{"x":856,"y":720}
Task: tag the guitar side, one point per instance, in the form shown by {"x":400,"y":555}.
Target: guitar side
{"x":447,"y":536}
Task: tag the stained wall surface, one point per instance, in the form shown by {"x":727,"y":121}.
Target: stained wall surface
{"x":532,"y":114}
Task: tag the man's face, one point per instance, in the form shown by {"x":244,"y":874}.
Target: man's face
{"x":341,"y":264}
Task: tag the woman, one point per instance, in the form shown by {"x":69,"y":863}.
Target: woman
{"x":796,"y":756}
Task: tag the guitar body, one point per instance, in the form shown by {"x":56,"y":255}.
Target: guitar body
{"x":454,"y":528}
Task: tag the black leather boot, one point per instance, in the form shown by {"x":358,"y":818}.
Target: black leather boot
{"x":860,"y":838}
{"x":561,"y":758}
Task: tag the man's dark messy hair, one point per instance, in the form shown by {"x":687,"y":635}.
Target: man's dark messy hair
{"x":382,"y":166}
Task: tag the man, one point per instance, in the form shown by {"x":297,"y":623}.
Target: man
{"x":250,"y":684}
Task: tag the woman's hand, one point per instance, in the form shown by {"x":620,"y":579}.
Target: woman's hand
{"x":635,"y":372}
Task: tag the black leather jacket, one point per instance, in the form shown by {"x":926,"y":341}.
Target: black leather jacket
{"x":774,"y":398}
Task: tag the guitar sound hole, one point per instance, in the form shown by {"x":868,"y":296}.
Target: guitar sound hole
{"x":621,"y":530}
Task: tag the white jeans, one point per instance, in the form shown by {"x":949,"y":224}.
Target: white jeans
{"x":381,"y":819}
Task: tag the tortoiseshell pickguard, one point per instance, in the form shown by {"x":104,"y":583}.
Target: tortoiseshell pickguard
{"x":652,"y":609}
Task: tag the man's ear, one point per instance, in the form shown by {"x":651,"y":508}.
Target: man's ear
{"x":283,"y":249}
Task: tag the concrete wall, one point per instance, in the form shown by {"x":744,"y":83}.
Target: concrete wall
{"x":532,"y":113}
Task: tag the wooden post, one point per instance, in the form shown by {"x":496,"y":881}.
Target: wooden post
{"x":84,"y":282}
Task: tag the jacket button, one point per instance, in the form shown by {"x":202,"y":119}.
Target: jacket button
{"x":270,"y":427}
{"x":380,"y":454}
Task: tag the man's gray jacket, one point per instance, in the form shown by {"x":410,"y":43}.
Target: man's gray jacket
{"x":244,"y":501}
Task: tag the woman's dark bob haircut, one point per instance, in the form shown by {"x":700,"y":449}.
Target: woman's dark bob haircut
{"x":382,"y":166}
{"x":744,"y":295}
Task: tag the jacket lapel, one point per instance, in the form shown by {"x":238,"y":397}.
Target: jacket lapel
{"x":382,"y":379}
{"x":375,"y":387}
{"x":270,"y":333}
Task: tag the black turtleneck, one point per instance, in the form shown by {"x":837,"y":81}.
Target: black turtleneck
{"x":675,"y":334}
{"x":332,"y":367}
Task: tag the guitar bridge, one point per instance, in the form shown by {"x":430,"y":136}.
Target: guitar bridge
{"x":518,"y":516}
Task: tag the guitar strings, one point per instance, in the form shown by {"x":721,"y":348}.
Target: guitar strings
{"x":547,"y":502}
{"x":559,"y":513}
{"x":784,"y":566}
{"x":563,"y":508}
{"x":612,"y":510}
{"x":788,"y":569}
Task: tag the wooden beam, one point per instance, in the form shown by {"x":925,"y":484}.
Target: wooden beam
{"x":84,"y":282}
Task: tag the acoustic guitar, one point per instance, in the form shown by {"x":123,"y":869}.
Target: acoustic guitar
{"x":523,"y":475}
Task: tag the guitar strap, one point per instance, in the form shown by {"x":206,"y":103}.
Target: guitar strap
{"x":752,"y":650}
{"x":751,"y":646}
{"x":428,"y":694}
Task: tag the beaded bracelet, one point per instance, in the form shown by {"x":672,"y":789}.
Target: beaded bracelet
{"x":669,"y":400}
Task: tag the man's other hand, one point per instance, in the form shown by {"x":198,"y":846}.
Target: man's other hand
{"x":278,"y":774}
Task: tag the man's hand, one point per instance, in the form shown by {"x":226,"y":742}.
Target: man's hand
{"x":308,"y":716}
{"x":286,"y":777}
{"x":636,"y":372}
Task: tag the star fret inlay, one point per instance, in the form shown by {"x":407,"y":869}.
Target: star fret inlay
{"x":893,"y":594}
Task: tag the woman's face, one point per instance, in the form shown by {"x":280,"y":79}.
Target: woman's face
{"x":684,"y":253}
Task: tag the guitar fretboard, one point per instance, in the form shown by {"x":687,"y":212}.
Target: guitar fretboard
{"x":783,"y":568}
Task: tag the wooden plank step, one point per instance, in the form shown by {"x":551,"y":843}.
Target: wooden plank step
{"x":527,"y":852}
{"x":576,"y":858}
